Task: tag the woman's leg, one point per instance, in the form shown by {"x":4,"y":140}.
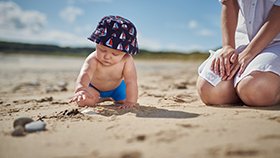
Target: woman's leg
{"x":223,"y":93}
{"x":260,"y":89}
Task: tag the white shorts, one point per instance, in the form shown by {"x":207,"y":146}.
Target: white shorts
{"x":267,"y":60}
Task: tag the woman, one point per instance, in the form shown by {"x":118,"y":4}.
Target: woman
{"x":247,"y":67}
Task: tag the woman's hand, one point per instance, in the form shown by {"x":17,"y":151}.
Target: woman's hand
{"x":244,"y":59}
{"x":222,"y":64}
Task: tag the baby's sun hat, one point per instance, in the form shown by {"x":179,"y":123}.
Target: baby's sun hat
{"x":117,"y":33}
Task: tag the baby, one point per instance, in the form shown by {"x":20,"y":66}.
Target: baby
{"x":109,"y":72}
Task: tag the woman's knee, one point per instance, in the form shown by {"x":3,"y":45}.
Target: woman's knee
{"x":223,"y":93}
{"x":259,"y":89}
{"x":204,"y":90}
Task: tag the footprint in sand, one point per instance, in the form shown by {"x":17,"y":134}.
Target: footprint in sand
{"x":14,"y":110}
{"x":183,"y":98}
{"x":271,"y":136}
{"x":27,"y":85}
{"x":144,"y":87}
{"x":159,"y":137}
{"x":187,"y":125}
{"x":276,"y":118}
{"x":138,"y":138}
{"x":58,"y":87}
{"x":242,"y":152}
{"x":131,"y":154}
{"x":229,"y":151}
{"x":168,"y":136}
{"x":25,"y":101}
{"x":181,"y":85}
{"x":121,"y":154}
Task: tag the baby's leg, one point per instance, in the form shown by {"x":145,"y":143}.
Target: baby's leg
{"x":91,"y":98}
{"x":119,"y":94}
{"x":223,"y":93}
{"x":260,"y":89}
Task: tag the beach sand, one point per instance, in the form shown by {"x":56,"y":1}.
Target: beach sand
{"x":171,"y":121}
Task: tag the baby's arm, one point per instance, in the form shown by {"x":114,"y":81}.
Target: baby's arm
{"x":84,"y":96}
{"x":86,"y":73}
{"x":130,"y":78}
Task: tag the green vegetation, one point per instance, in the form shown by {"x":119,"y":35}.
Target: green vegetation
{"x":42,"y":49}
{"x":144,"y":54}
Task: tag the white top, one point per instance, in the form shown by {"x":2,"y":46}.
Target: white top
{"x":252,"y":15}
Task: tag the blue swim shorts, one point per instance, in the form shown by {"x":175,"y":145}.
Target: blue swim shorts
{"x":117,"y":94}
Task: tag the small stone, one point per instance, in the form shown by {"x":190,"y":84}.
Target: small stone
{"x":18,"y":132}
{"x":35,"y":126}
{"x":22,"y":121}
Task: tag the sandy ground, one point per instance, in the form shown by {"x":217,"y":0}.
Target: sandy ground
{"x":170,"y":123}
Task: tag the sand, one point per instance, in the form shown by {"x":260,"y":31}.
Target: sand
{"x":171,"y":121}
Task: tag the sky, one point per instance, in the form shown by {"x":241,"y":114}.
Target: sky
{"x":162,"y":25}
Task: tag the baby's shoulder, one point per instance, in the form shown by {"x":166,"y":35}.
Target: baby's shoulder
{"x":91,"y":58}
{"x":127,"y":57}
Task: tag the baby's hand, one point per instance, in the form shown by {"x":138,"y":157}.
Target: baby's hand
{"x":80,"y":97}
{"x":127,"y":105}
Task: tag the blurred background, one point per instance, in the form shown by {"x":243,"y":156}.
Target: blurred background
{"x":183,"y":26}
